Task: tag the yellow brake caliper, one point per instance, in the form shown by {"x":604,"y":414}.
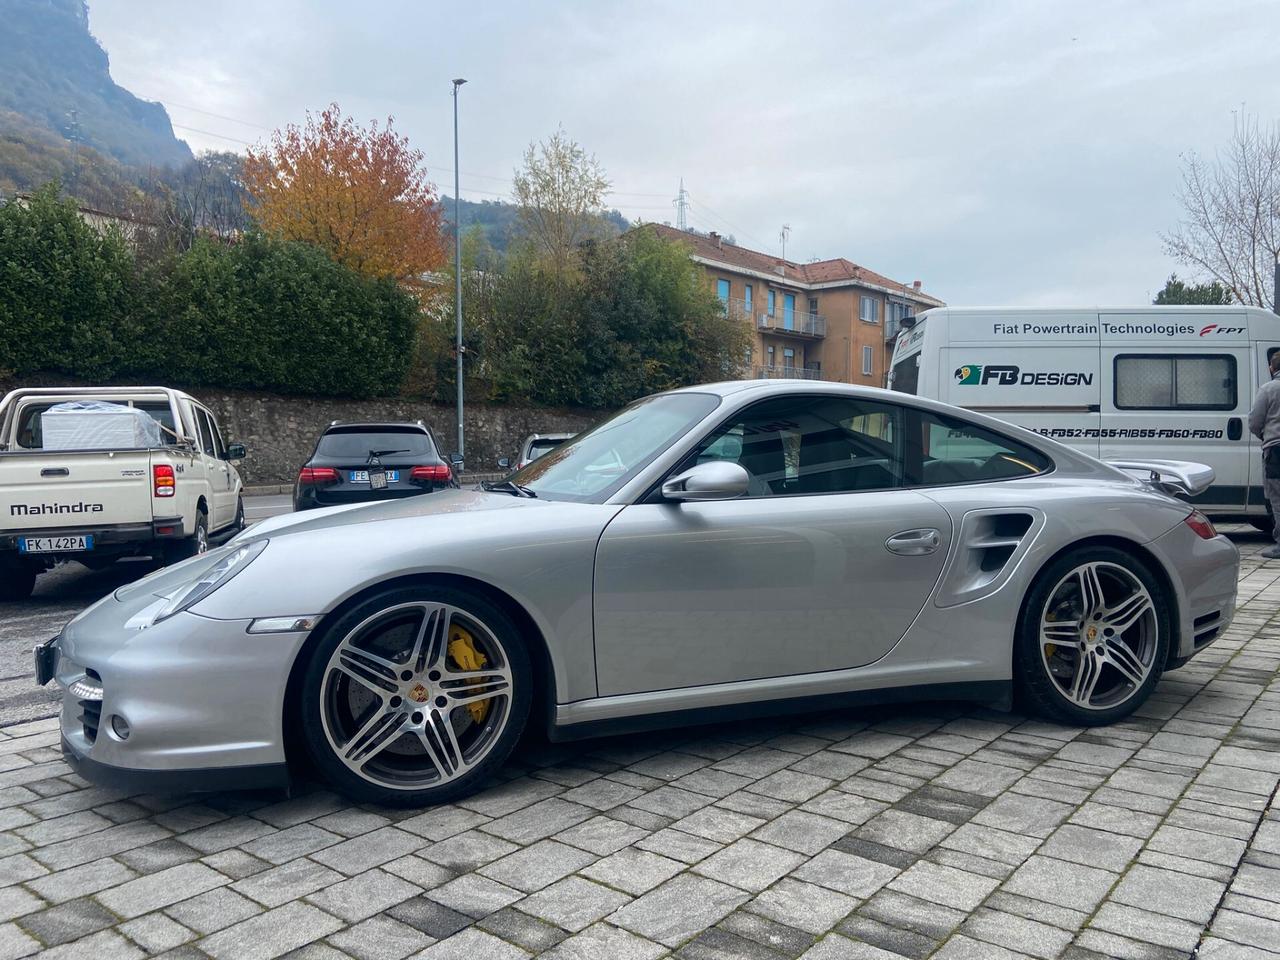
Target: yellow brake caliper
{"x":465,"y":656}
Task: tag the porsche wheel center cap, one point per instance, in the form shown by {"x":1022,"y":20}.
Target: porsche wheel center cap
{"x":419,"y":694}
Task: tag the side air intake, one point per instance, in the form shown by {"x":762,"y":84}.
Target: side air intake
{"x":987,"y":550}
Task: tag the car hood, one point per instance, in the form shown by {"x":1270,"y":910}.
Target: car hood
{"x":440,"y":503}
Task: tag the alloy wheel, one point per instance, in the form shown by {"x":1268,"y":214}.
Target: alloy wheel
{"x":416,"y":696}
{"x":1099,"y":634}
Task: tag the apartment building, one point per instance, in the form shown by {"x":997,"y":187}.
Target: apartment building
{"x":827,"y":320}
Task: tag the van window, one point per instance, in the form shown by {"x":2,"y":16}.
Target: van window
{"x":1175,"y":382}
{"x":906,"y":374}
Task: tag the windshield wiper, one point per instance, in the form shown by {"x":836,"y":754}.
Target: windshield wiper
{"x":508,"y":486}
{"x":375,"y":454}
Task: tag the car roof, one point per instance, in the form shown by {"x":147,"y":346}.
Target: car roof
{"x":340,"y":426}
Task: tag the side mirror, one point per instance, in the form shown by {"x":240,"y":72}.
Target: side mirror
{"x":713,"y":480}
{"x":455,"y":458}
{"x":236,"y":451}
{"x":504,"y":463}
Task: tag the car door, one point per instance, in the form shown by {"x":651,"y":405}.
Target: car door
{"x":212,"y":469}
{"x":823,"y":564}
{"x":223,"y":476}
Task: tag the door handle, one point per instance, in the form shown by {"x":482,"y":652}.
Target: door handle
{"x":914,"y":543}
{"x":1235,"y":428}
{"x":55,"y":472}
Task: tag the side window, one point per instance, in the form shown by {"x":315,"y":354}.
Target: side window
{"x":206,"y":432}
{"x":812,"y":444}
{"x":1175,"y":382}
{"x":953,"y":451}
{"x":219,"y":448}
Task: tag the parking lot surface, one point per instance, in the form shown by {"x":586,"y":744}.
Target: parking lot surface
{"x":926,"y":831}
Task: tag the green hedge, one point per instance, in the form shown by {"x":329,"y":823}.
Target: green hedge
{"x":259,"y":314}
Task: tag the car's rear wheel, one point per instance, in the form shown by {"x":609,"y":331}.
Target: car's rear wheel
{"x":192,"y":546}
{"x":415,"y":696}
{"x":1093,"y":637}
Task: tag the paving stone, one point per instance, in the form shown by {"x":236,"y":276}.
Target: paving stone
{"x":1091,"y":847}
{"x":434,"y":919}
{"x":1168,"y":892}
{"x":1197,"y":845}
{"x":1147,"y":927}
{"x":1072,"y":885}
{"x":1017,"y":933}
{"x":156,"y":933}
{"x":379,"y":938}
{"x":633,"y":871}
{"x":540,"y":820}
{"x":720,"y":944}
{"x":945,"y":885}
{"x":104,"y":945}
{"x":523,"y":930}
{"x":1115,"y":947}
{"x":785,"y":940}
{"x":836,"y":947}
{"x":291,"y":843}
{"x":678,"y":909}
{"x":603,"y":940}
{"x":1031,"y":816}
{"x":68,"y":921}
{"x":602,"y":794}
{"x":363,"y":895}
{"x":158,"y":890}
{"x":812,"y":908}
{"x":351,"y":822}
{"x":573,"y":903}
{"x":679,"y":846}
{"x":806,"y":833}
{"x":474,"y":895}
{"x":17,"y":901}
{"x":70,"y":853}
{"x":471,"y":944}
{"x":81,"y":880}
{"x":440,"y":823}
{"x":1213,"y":948}
{"x":847,"y":807}
{"x":1261,"y":932}
{"x":961,"y":947}
{"x":235,"y":864}
{"x":213,"y":910}
{"x":749,"y":864}
{"x":368,"y":850}
{"x":537,"y":866}
{"x":792,"y":786}
{"x":991,"y":843}
{"x":904,"y":831}
{"x":232,"y":832}
{"x":883,"y":936}
{"x":161,"y":855}
{"x":289,"y":881}
{"x":846,"y":873}
{"x":271,"y":934}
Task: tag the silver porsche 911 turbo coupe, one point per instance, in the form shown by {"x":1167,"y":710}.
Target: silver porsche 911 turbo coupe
{"x":718,"y":551}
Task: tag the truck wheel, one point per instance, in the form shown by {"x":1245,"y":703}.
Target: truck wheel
{"x":191,"y":546}
{"x":238,"y":525}
{"x":17,"y":580}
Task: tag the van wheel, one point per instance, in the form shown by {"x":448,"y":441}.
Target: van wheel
{"x":191,"y":546}
{"x":17,"y":580}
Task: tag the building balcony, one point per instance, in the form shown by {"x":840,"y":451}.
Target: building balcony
{"x":806,"y":326}
{"x":784,"y":372}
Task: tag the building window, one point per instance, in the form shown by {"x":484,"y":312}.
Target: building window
{"x":869,"y":310}
{"x":769,"y":355}
{"x":868,"y":362}
{"x":813,"y":305}
{"x":746,"y":298}
{"x":788,"y":357}
{"x":773,"y":301}
{"x":895,"y":313}
{"x":788,"y":311}
{"x":722,"y":290}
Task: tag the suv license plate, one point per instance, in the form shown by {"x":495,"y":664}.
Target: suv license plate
{"x":55,"y":544}
{"x":364,"y":476}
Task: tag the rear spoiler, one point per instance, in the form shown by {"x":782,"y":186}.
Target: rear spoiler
{"x":1181,"y":478}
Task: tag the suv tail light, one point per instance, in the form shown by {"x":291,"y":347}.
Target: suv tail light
{"x":1201,"y":524}
{"x":439,"y":473}
{"x":163,"y":479}
{"x":317,"y":476}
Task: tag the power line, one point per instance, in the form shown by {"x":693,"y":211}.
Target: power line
{"x":210,"y":133}
{"x":220,"y":116}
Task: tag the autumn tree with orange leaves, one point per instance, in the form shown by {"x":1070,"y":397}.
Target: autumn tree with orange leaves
{"x":362,"y":194}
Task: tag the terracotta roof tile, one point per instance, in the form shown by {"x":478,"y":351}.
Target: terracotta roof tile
{"x":821,"y":271}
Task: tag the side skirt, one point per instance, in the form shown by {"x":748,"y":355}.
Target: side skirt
{"x":998,"y":693}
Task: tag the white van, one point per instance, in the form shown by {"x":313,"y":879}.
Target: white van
{"x":1156,"y":383}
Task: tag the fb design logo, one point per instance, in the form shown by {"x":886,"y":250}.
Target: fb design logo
{"x":976,"y":373}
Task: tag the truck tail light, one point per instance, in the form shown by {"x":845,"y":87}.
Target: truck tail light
{"x":317,"y":476}
{"x":439,"y":473}
{"x":162,"y":476}
{"x":1201,"y":524}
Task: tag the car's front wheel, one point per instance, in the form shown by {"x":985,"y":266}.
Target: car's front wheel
{"x":415,"y":696}
{"x":1093,"y":638}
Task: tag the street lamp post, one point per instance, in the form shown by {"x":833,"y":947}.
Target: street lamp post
{"x":457,"y":264}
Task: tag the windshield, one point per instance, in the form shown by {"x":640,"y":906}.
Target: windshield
{"x":595,"y":465}
{"x":357,"y":446}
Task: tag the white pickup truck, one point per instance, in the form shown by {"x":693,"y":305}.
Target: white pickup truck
{"x":94,"y":483}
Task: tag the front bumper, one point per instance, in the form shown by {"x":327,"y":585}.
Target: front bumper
{"x":201,"y":700}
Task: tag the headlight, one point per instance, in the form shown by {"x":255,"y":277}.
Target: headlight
{"x":190,"y":594}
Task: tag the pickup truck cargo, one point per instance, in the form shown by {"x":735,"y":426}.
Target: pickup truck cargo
{"x":109,"y":484}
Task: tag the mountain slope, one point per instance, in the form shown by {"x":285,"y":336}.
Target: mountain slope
{"x":53,"y":72}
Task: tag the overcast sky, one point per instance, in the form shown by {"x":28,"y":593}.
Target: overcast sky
{"x":1003,"y":152}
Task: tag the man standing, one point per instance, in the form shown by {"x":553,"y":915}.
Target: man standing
{"x":1264,"y":423}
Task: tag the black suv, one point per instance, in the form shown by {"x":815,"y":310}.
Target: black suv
{"x":357,"y":462}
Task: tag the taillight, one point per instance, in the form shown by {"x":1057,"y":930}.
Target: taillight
{"x":1201,"y":524}
{"x":439,"y":472}
{"x":317,"y":476}
{"x":163,"y":479}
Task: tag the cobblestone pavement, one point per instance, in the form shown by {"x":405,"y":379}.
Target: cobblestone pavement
{"x":942,"y":831}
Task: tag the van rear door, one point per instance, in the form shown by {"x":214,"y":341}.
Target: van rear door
{"x":1177,"y":388}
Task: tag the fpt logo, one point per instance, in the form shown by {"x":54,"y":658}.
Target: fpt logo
{"x":1213,"y":329}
